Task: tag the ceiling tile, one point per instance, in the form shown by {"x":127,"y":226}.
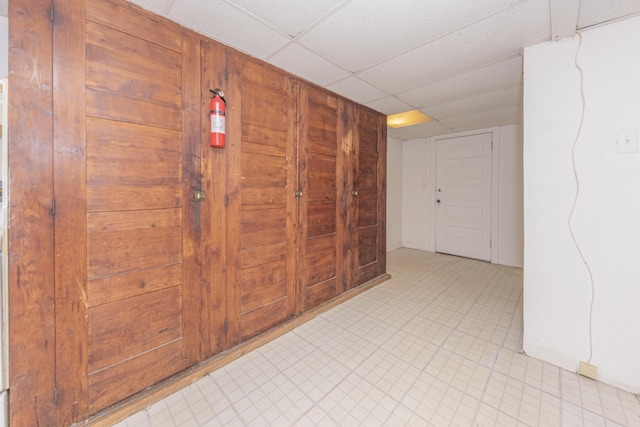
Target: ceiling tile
{"x":489,"y":118}
{"x":498,"y":37}
{"x":356,"y":90}
{"x":157,"y":6}
{"x":593,"y":12}
{"x":493,"y":77}
{"x":418,"y":131}
{"x":289,"y":16}
{"x":478,"y":103}
{"x":233,"y":28}
{"x":367,"y":32}
{"x":299,"y":61}
{"x":390,"y":105}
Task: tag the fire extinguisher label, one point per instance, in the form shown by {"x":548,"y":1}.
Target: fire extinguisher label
{"x":217,"y":123}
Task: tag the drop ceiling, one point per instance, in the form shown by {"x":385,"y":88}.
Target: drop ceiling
{"x":459,"y":62}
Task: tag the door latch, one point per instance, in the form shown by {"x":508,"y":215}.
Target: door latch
{"x":198,"y":196}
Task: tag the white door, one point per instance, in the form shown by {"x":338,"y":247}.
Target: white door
{"x":463,"y":196}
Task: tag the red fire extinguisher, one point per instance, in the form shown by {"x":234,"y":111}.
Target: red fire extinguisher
{"x":217,"y":112}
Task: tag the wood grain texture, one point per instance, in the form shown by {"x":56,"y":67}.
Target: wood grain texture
{"x":70,"y":185}
{"x":213,"y":257}
{"x":31,"y":244}
{"x":133,"y":20}
{"x":233,"y":203}
{"x":195,"y":216}
{"x":133,"y":375}
{"x":321,"y":205}
{"x":261,"y":211}
{"x":163,"y":389}
{"x":123,"y":329}
{"x":134,"y":70}
{"x":146,"y":280}
{"x":137,"y":203}
{"x":369,"y":172}
{"x":382,"y":195}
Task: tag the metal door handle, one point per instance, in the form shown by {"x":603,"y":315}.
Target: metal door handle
{"x":354,"y":193}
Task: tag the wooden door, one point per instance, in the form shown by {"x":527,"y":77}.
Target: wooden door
{"x":261,"y":211}
{"x":463,"y":196}
{"x":323,"y":175}
{"x":369,"y":195}
{"x":127,"y":131}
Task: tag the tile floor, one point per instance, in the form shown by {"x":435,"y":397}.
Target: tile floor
{"x":437,"y":345}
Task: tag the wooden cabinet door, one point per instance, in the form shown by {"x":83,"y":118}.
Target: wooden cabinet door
{"x":127,"y":142}
{"x":369,"y":194}
{"x":261,"y":212}
{"x":323,"y":175}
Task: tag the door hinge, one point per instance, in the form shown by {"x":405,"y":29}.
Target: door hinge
{"x":344,"y":117}
{"x":298,"y":193}
{"x":226,"y":326}
{"x":226,"y":75}
{"x":51,"y":13}
{"x":226,"y":200}
{"x":53,"y":207}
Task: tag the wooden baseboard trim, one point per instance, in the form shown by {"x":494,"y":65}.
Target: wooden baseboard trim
{"x":141,"y":400}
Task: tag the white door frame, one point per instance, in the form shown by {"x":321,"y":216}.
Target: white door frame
{"x":495,"y":170}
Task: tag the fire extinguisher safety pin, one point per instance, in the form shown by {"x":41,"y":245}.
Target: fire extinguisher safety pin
{"x":218,"y":92}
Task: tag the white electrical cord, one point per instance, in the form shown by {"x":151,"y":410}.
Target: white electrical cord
{"x":575,"y":199}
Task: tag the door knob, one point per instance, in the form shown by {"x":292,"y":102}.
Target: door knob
{"x":354,"y":193}
{"x":438,"y":201}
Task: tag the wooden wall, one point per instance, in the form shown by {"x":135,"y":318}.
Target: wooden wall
{"x":119,"y":278}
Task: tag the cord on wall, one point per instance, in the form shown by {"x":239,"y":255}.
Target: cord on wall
{"x":588,"y":371}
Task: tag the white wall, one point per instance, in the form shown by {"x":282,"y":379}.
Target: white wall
{"x":418,"y":190}
{"x":4,"y":46}
{"x":394,"y":194}
{"x":606,"y":220}
{"x":510,"y":197}
{"x":416,"y":195}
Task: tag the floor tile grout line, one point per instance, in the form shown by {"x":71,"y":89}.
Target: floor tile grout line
{"x":379,"y":347}
{"x":477,"y":351}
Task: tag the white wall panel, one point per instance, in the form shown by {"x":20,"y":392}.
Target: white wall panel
{"x":557,"y":287}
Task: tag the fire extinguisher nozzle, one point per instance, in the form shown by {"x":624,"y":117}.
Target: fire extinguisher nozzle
{"x":218,"y":92}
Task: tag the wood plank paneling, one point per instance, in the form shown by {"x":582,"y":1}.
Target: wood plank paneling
{"x":126,"y":328}
{"x":255,"y":321}
{"x":118,"y":249}
{"x":261,"y":207}
{"x":133,"y":375}
{"x":134,"y":70}
{"x":147,"y":280}
{"x":131,"y":284}
{"x":213,"y":217}
{"x":31,"y":244}
{"x":130,"y":216}
{"x":260,"y":283}
{"x":321,"y":217}
{"x":368,"y":172}
{"x":114,"y":106}
{"x":69,"y":129}
{"x":133,"y":20}
{"x":125,"y":142}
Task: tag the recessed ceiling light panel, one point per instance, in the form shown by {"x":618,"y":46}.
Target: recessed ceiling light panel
{"x":408,"y":118}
